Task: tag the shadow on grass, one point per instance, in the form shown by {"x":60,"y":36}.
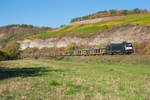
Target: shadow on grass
{"x":6,"y":73}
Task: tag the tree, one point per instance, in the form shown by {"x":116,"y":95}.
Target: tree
{"x":145,"y":11}
{"x":12,"y":48}
{"x":112,"y":12}
{"x":125,"y":12}
{"x":137,"y":10}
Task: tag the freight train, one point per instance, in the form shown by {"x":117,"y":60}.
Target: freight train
{"x":111,"y":49}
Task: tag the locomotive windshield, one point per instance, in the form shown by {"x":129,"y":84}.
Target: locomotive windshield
{"x":128,"y":45}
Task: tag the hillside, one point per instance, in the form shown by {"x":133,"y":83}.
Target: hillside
{"x":110,"y":13}
{"x":140,"y":19}
{"x":132,"y":28}
{"x":18,"y":32}
{"x":130,"y":33}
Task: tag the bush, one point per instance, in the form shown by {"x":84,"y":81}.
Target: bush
{"x":3,"y":55}
{"x":72,"y":46}
{"x":147,"y":48}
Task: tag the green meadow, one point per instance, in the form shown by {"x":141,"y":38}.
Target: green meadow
{"x":124,"y":77}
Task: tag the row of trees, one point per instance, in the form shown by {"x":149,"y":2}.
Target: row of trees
{"x":23,"y":26}
{"x":110,"y":13}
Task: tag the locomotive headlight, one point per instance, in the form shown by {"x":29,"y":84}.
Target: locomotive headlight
{"x":129,"y":48}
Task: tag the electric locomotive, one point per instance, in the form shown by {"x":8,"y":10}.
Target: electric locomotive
{"x":119,"y":48}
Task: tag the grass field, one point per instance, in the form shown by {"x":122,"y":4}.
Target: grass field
{"x":76,"y":78}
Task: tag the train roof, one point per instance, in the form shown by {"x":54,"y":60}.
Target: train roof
{"x":119,"y":44}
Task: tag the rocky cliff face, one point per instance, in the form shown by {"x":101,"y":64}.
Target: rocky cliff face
{"x":130,"y":33}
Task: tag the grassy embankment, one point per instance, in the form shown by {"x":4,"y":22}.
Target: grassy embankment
{"x":77,"y":78}
{"x":141,"y":19}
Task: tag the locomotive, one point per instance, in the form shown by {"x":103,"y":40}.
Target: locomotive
{"x":111,"y":49}
{"x":119,"y":48}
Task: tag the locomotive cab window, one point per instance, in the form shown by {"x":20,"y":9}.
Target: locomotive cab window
{"x":129,"y":45}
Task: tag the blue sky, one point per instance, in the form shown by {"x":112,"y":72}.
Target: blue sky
{"x":53,"y":13}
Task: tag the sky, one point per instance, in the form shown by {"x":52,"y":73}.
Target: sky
{"x":53,"y":13}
